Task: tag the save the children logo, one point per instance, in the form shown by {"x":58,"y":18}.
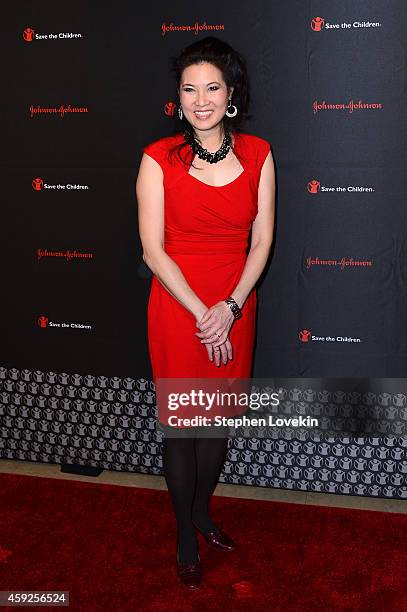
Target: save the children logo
{"x":44,"y":322}
{"x":30,"y":35}
{"x":314,"y":186}
{"x":169,"y":109}
{"x":38,"y":184}
{"x":320,"y":23}
{"x":317,"y":23}
{"x":305,"y":335}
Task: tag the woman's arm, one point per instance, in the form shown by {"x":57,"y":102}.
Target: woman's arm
{"x":262,"y":233}
{"x":150,"y":197}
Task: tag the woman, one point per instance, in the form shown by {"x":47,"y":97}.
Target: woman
{"x":199,"y":193}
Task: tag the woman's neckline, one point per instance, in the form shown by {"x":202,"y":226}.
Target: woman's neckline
{"x":216,"y":186}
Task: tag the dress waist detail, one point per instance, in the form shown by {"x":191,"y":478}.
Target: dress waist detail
{"x":198,"y":244}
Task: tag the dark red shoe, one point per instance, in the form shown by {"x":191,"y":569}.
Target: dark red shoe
{"x":190,"y":574}
{"x":219,"y":539}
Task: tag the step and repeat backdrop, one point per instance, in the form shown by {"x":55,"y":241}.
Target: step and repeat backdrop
{"x":86,"y":88}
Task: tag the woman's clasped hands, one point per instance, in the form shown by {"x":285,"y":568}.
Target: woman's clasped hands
{"x":214,"y":328}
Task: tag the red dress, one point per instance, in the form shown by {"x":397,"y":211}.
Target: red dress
{"x":206,"y":234}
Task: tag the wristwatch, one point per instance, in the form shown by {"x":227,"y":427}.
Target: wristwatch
{"x":237,"y":313}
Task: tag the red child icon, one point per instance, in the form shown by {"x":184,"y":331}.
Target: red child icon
{"x":169,"y":109}
{"x":317,"y":24}
{"x":42,"y":321}
{"x":28,"y":34}
{"x":37,"y":184}
{"x":314,"y":186}
{"x":304,"y":335}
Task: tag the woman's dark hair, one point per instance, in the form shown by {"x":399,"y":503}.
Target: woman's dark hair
{"x":234,"y":71}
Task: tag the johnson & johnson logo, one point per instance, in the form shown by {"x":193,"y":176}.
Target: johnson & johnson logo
{"x":342,"y":264}
{"x":195,"y":27}
{"x":349,"y":106}
{"x":53,"y":110}
{"x":66,"y":255}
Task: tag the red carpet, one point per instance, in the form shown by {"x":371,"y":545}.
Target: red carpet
{"x":113,"y":548}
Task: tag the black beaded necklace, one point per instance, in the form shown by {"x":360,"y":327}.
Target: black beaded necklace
{"x":202,"y":153}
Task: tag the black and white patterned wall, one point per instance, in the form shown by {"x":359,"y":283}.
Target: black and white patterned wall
{"x":110,"y":423}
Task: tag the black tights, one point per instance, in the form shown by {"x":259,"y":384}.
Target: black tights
{"x":192,"y":467}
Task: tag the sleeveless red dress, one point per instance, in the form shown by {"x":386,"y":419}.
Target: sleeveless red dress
{"x":206,"y":234}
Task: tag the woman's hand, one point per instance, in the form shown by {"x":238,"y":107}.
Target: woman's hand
{"x":223,"y":353}
{"x":215,"y":325}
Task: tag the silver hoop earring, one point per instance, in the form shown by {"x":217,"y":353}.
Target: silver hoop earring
{"x":180,"y":115}
{"x":231,"y":114}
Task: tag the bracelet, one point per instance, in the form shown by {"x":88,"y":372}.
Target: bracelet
{"x":237,"y":313}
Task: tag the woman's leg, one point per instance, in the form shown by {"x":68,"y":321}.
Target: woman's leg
{"x":210,"y":457}
{"x":179,"y":465}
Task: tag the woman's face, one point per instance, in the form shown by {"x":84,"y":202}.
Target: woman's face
{"x":203,"y":95}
